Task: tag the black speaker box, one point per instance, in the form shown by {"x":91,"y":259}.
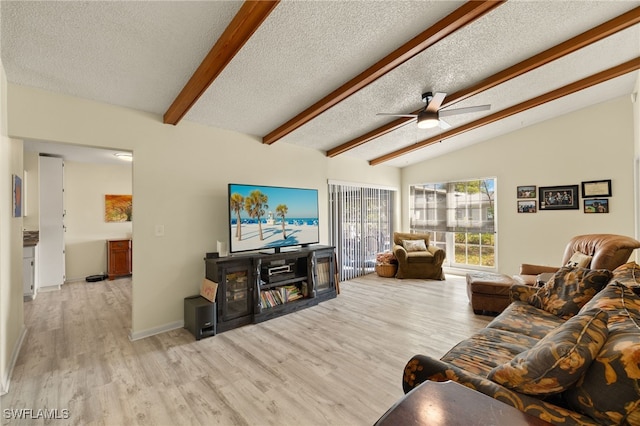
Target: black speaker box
{"x":199,"y":317}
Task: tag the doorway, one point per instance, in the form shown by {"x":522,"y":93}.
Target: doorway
{"x":89,"y":175}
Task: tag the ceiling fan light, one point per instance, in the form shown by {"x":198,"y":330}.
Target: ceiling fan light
{"x":427,"y":120}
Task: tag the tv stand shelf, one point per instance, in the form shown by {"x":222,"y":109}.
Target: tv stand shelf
{"x":282,"y":283}
{"x":253,"y":288}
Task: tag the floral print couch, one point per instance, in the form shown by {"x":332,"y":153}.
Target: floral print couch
{"x":567,"y":352}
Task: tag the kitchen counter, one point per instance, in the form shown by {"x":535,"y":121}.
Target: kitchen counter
{"x":30,"y":238}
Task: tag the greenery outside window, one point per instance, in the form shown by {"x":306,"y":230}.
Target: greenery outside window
{"x":460,"y":216}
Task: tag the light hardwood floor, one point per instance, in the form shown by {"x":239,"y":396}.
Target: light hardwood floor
{"x":338,"y":363}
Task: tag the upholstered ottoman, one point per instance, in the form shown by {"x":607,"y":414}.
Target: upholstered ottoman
{"x":488,"y":291}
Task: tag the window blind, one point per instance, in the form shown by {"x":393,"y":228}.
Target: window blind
{"x":460,"y":206}
{"x":361,"y":221}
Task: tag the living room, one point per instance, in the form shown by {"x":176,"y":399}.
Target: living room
{"x":180,"y":177}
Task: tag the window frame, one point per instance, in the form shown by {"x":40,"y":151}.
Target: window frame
{"x":458,"y":216}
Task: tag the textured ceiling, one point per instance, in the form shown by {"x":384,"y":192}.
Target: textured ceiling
{"x":140,"y":55}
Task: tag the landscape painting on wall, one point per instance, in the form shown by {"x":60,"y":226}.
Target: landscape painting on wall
{"x":118,"y":208}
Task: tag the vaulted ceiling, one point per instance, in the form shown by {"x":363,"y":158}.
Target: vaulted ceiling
{"x":316,"y":73}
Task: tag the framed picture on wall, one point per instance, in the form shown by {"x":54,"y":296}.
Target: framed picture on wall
{"x":564,"y":197}
{"x":596,"y":188}
{"x":117,"y":208}
{"x":527,"y":206}
{"x":17,"y":196}
{"x":596,"y":205}
{"x":528,"y":191}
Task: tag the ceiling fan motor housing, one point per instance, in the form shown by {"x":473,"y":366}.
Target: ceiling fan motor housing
{"x":427,"y":119}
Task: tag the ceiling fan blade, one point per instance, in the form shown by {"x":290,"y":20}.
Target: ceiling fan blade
{"x":436,"y":101}
{"x":450,"y":112}
{"x":397,"y":115}
{"x":443,"y":124}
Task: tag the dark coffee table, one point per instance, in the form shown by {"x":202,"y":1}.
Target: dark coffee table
{"x":450,"y":404}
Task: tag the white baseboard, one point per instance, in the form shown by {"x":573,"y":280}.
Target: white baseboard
{"x":155,"y":330}
{"x":464,"y":271}
{"x":6,"y":381}
{"x":48,"y":288}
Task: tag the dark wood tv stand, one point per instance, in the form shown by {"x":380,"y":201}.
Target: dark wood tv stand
{"x":256,"y":287}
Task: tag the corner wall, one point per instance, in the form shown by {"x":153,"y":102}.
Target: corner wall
{"x":636,"y":134}
{"x":567,"y":150}
{"x":11,"y":292}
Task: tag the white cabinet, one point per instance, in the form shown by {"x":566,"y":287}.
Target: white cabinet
{"x":51,"y":227}
{"x":30,"y":272}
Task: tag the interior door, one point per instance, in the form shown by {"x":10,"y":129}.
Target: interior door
{"x":51,"y":250}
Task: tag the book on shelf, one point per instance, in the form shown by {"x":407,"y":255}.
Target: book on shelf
{"x":280,"y":295}
{"x":323,"y":272}
{"x":291,"y":293}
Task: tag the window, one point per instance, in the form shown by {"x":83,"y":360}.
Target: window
{"x":361,"y":225}
{"x":460,"y":216}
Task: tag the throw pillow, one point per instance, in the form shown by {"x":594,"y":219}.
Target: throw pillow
{"x":569,"y":289}
{"x":579,"y":260}
{"x":628,"y":274}
{"x":609,"y":392}
{"x":414,"y":245}
{"x":558,"y":360}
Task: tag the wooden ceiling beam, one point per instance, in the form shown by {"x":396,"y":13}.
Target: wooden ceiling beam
{"x":461,"y":17}
{"x":569,"y":89}
{"x":248,"y":19}
{"x":593,"y":35}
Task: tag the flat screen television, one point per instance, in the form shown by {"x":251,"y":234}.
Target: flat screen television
{"x":271,"y":217}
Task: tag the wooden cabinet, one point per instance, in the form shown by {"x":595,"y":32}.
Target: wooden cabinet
{"x":324,"y":269}
{"x":118,"y":258}
{"x":258,"y":287}
{"x":236,"y":281}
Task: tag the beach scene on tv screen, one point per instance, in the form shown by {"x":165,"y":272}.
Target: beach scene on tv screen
{"x":264,"y":217}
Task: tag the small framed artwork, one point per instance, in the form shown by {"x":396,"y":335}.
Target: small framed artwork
{"x":17,"y":196}
{"x":596,"y":205}
{"x":527,"y":191}
{"x":596,"y":188}
{"x":527,"y":206}
{"x":563,"y":197}
{"x":117,"y":208}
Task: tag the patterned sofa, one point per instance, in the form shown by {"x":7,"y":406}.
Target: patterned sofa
{"x":567,"y":352}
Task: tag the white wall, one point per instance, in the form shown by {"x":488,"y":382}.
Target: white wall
{"x":636,"y":116}
{"x":32,"y":191}
{"x":87,"y":232}
{"x":11,"y":305}
{"x":180,"y":176}
{"x":590,"y":144}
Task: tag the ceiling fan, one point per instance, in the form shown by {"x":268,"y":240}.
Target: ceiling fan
{"x":430,"y":116}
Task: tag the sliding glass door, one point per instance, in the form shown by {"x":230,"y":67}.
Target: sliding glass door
{"x":361,"y":221}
